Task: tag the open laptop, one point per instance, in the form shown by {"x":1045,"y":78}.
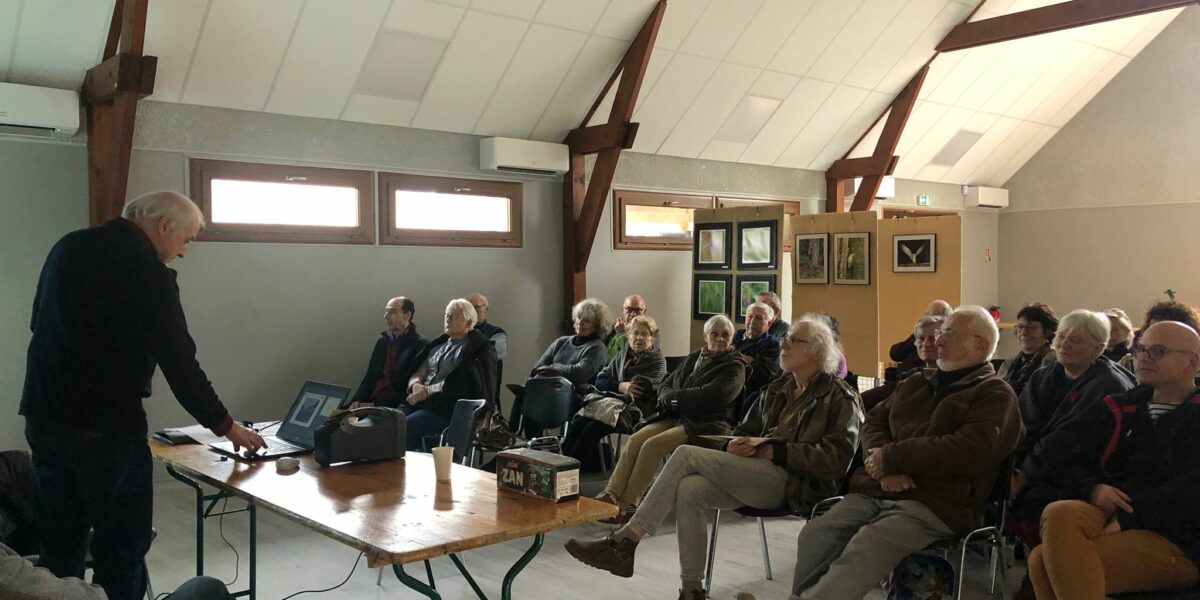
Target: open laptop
{"x":313,"y":405}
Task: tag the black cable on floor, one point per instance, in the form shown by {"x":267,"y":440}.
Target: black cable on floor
{"x":237,"y":558}
{"x":348,"y":575}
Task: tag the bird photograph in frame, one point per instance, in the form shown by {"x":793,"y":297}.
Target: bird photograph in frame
{"x":914,"y":253}
{"x":810,"y":251}
{"x":712,"y":247}
{"x":852,"y":258}
{"x":758,"y":245}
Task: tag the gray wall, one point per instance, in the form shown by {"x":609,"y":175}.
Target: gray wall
{"x":1105,"y":214}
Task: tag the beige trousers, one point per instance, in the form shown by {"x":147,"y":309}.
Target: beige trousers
{"x":641,"y":458}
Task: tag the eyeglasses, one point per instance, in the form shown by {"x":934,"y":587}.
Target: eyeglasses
{"x":791,"y":339}
{"x":636,"y":310}
{"x":1155,"y":352}
{"x":949,"y":334}
{"x":479,"y":307}
{"x":453,"y":316}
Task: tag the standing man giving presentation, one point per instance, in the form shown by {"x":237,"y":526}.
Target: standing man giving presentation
{"x":107,"y":311}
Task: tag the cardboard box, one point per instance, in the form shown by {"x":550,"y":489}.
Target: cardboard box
{"x":538,"y":474}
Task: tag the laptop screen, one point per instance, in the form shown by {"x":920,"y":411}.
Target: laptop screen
{"x":309,"y":411}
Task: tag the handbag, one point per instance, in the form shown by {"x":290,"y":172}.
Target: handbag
{"x":495,"y":432}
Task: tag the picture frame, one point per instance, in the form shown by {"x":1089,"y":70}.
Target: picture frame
{"x":712,"y":247}
{"x":711,"y":295}
{"x":852,"y":258}
{"x":758,"y":245}
{"x":748,"y":286}
{"x":914,"y":253}
{"x":810,"y":258}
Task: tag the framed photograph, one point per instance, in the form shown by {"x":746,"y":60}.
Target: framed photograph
{"x":750,"y":286}
{"x":810,"y":255}
{"x":758,"y":245}
{"x":914,"y":253}
{"x":852,"y":258}
{"x":711,"y":295}
{"x":712,"y":247}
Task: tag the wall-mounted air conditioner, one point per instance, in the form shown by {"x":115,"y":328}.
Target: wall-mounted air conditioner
{"x":984,"y":197}
{"x":38,"y":111}
{"x":887,"y":187}
{"x":523,"y":156}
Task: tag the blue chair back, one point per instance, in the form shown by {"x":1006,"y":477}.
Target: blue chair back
{"x":548,"y":400}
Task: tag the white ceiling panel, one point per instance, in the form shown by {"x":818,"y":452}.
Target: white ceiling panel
{"x":1069,"y":108}
{"x":941,"y":67}
{"x":1004,"y":151}
{"x":1061,"y":68}
{"x":679,"y":84}
{"x":520,"y":9}
{"x":322,"y":61}
{"x":851,"y":130}
{"x":1040,"y":53}
{"x":814,"y":33}
{"x":789,"y":118}
{"x":382,"y":111}
{"x":975,"y":62}
{"x":1022,"y":156}
{"x":893,"y":42}
{"x":473,"y":65}
{"x":680,"y":18}
{"x":982,"y":151}
{"x":10,"y":14}
{"x":622,"y":19}
{"x":852,"y":42}
{"x":978,"y":123}
{"x":1154,"y":25}
{"x":773,"y":84}
{"x":726,"y":151}
{"x":1011,"y":59}
{"x":866,"y":146}
{"x":921,"y":49}
{"x":540,"y":64}
{"x":822,"y":127}
{"x":1079,"y":77}
{"x":924,"y":116}
{"x":933,"y":141}
{"x":720,"y":27}
{"x":50,"y":53}
{"x":659,"y":59}
{"x":239,"y":53}
{"x":424,"y":17}
{"x":709,"y":110}
{"x":172,"y":29}
{"x":579,"y":88}
{"x":768,"y":31}
{"x":571,"y":14}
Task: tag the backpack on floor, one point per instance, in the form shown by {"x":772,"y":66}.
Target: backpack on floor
{"x":921,"y":577}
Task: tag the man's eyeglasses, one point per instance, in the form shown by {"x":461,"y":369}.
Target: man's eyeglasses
{"x":1155,"y":352}
{"x":949,"y":334}
{"x":633,"y":310}
{"x":479,"y":307}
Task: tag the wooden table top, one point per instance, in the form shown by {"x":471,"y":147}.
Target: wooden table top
{"x":394,"y":511}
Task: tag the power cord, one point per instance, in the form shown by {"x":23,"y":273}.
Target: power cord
{"x":237,"y":558}
{"x":348,"y":575}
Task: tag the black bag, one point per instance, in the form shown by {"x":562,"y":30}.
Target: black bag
{"x":495,"y":432}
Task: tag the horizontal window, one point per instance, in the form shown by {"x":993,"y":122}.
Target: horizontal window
{"x":654,"y":220}
{"x":251,"y":202}
{"x":421,"y":210}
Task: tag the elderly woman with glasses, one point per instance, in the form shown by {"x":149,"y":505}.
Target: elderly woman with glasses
{"x":1036,"y":324}
{"x":1056,"y":395}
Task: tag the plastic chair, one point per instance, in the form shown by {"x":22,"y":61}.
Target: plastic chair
{"x":673,"y":362}
{"x":461,"y":431}
{"x":549,"y":401}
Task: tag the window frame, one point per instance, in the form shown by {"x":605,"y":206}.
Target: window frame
{"x":389,"y":234}
{"x":203,"y":170}
{"x":624,"y":197}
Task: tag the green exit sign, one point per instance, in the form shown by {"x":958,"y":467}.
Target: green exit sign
{"x":922,"y":200}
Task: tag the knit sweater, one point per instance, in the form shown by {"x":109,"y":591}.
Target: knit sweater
{"x":577,"y":358}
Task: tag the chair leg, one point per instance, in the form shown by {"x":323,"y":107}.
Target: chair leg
{"x":712,"y":552}
{"x":379,"y":577}
{"x":762,"y":534}
{"x":149,"y":588}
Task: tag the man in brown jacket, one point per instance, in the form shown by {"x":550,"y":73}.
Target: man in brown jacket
{"x":932,"y":453}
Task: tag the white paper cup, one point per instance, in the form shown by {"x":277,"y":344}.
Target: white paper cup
{"x":443,"y":457}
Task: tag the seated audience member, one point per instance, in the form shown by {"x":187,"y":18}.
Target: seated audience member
{"x":1139,"y":529}
{"x":393,"y":359}
{"x":1164,"y":310}
{"x":925,"y":334}
{"x":1035,"y":327}
{"x":498,"y":336}
{"x":779,"y":327}
{"x":633,"y":306}
{"x":577,"y":357}
{"x":1120,"y":336}
{"x":758,"y":349}
{"x":1055,"y":395}
{"x":831,"y":321}
{"x":19,"y":579}
{"x":811,"y":420}
{"x":932,"y":453}
{"x":460,"y":364}
{"x":625,"y":384}
{"x":905,"y":353}
{"x":700,"y":391}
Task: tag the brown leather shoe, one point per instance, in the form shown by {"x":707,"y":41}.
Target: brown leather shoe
{"x":622,"y":517}
{"x":693,"y":595}
{"x":606,"y":554}
{"x":607,"y":498}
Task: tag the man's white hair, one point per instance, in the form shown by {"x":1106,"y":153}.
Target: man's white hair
{"x":821,"y":343}
{"x":467,"y":309}
{"x":1094,"y":325}
{"x":177,"y":208}
{"x":982,"y":324}
{"x":766,"y":308}
{"x":716,"y":321}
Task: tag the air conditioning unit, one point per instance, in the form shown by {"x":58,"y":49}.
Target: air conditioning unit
{"x":38,"y":111}
{"x":511,"y":155}
{"x":887,"y":187}
{"x":984,"y":197}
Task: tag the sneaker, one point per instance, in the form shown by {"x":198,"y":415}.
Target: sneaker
{"x":606,"y":554}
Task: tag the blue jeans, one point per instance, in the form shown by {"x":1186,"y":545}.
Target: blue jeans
{"x":101,"y":483}
{"x":419,"y":423}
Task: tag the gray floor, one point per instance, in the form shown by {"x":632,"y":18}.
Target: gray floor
{"x":292,"y":558}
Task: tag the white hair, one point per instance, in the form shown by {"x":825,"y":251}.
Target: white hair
{"x":926,"y":321}
{"x":595,"y":312}
{"x":175,"y":207}
{"x":1093,"y":324}
{"x":821,"y":343}
{"x":718,"y":321}
{"x":766,"y":308}
{"x":982,"y":324}
{"x":466,"y":308}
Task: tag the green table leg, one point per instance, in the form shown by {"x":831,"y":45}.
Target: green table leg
{"x":415,"y":583}
{"x":506,"y":589}
{"x":199,"y":517}
{"x":467,"y":575}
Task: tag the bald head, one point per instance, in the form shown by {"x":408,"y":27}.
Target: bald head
{"x":480,"y":302}
{"x":633,"y":306}
{"x":939,"y":308}
{"x":1177,"y":347}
